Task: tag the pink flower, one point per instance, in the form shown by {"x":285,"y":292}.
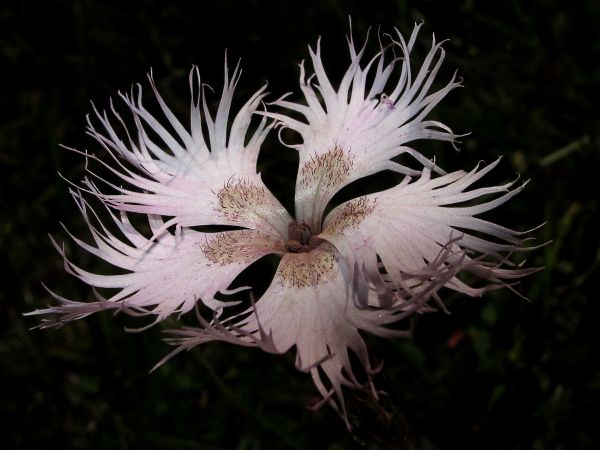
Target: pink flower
{"x":369,"y":263}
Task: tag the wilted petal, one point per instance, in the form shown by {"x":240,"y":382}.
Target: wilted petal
{"x":197,"y":179}
{"x":355,"y":130}
{"x":164,"y":276}
{"x":390,"y":236}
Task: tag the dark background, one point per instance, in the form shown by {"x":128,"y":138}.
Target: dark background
{"x":498,"y":373}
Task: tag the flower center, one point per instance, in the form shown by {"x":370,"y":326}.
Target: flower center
{"x":301,"y":239}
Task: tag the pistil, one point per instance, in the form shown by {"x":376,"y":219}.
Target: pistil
{"x":300,"y":238}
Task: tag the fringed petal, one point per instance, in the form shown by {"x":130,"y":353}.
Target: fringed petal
{"x":389,"y":237}
{"x":355,"y":131}
{"x":197,"y":179}
{"x":164,"y":276}
{"x":311,"y":305}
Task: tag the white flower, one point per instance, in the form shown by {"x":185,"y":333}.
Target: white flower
{"x":371,"y":262}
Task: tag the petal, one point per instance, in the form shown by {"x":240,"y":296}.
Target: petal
{"x":165,"y":276}
{"x":310,"y":305}
{"x":197,"y":179}
{"x":355,"y":131}
{"x":393,"y":235}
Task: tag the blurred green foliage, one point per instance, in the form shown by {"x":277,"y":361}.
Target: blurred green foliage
{"x":498,"y":373}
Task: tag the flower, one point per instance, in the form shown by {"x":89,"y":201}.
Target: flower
{"x":369,"y":263}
